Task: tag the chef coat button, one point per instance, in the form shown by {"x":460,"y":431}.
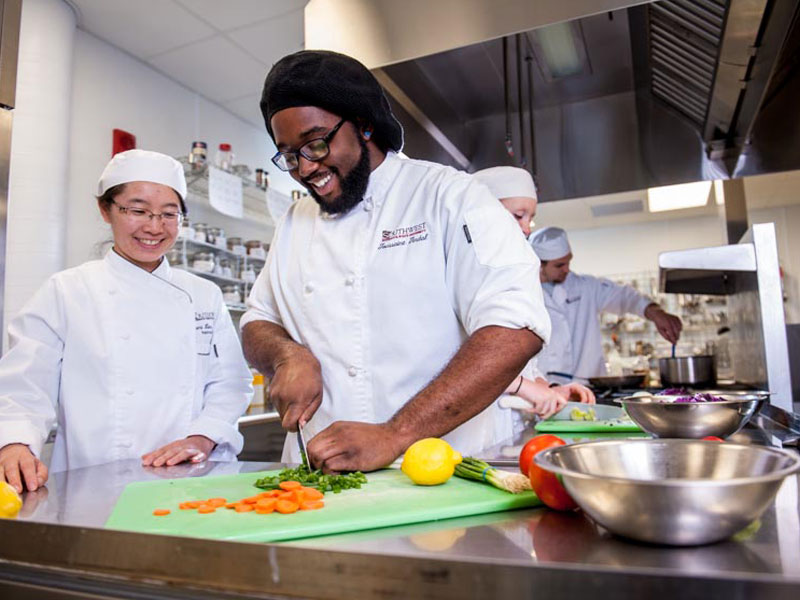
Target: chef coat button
{"x":112,"y":292}
{"x":309,"y":288}
{"x":125,"y":336}
{"x":352,"y":371}
{"x":129,"y":391}
{"x":368,"y":204}
{"x":350,"y":280}
{"x":126,"y":444}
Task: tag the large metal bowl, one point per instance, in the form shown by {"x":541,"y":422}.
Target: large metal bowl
{"x":665,"y":418}
{"x":674,"y":492}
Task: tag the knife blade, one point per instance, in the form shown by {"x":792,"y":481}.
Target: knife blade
{"x":301,"y":442}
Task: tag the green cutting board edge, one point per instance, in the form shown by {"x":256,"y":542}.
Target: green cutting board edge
{"x":389,"y":498}
{"x":565,"y":426}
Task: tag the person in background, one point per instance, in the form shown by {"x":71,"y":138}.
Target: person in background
{"x":398,"y":300}
{"x":575,"y":303}
{"x":127,"y":356}
{"x":516,"y":190}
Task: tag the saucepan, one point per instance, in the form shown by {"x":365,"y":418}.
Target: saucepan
{"x":688,"y":371}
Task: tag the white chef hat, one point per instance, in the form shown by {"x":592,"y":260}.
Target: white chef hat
{"x":550,"y":243}
{"x":143,"y":165}
{"x":507,"y":182}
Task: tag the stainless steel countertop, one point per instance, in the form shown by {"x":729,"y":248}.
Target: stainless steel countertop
{"x":533,"y":538}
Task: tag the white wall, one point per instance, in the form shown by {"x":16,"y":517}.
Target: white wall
{"x":112,"y":90}
{"x":635,"y":248}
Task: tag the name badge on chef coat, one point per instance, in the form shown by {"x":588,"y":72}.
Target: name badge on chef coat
{"x":204,"y":331}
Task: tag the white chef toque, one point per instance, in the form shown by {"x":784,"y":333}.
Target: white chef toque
{"x":550,"y":243}
{"x":143,"y":165}
{"x":507,"y":182}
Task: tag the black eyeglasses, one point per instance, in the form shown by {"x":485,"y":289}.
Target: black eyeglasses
{"x":314,"y":150}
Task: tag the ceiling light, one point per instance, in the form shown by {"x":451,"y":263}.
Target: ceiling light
{"x":675,"y":197}
{"x":719,"y":192}
{"x":560,"y":50}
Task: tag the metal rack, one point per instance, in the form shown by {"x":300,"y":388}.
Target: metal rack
{"x":239,"y":263}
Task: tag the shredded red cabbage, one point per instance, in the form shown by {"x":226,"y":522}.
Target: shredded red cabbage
{"x":704,"y":397}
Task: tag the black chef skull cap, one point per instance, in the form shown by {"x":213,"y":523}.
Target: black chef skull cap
{"x":334,"y":82}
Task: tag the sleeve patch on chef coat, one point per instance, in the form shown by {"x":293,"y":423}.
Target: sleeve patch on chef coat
{"x":493,"y":247}
{"x":204,"y":331}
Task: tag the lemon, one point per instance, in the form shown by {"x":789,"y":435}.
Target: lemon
{"x":430,"y":461}
{"x":10,"y":502}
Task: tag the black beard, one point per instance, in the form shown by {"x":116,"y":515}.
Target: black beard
{"x":353,"y":186}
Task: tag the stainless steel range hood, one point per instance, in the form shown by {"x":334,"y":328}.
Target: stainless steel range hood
{"x":623,"y":95}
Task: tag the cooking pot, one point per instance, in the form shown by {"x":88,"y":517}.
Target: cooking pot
{"x":688,"y":371}
{"x":620,"y":381}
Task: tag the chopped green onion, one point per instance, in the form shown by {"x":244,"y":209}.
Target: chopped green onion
{"x":477,"y":470}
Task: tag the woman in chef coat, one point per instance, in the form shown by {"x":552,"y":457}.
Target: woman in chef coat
{"x":128,"y":357}
{"x":515,"y":189}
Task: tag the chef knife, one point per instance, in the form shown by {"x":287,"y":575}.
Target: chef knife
{"x":301,"y":442}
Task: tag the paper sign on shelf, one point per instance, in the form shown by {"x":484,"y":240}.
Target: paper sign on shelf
{"x":225,"y":192}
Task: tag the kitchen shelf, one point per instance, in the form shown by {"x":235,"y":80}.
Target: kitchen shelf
{"x":213,"y":276}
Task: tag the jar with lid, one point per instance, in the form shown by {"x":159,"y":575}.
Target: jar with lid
{"x":200,"y":232}
{"x":224,"y":158}
{"x":232,"y":294}
{"x":198,"y":157}
{"x":175,"y":256}
{"x":248,"y":274}
{"x":186,"y":232}
{"x":214,"y":235}
{"x":225,"y":266}
{"x":260,"y":178}
{"x":255,"y":249}
{"x":203,"y":261}
{"x":235,"y":245}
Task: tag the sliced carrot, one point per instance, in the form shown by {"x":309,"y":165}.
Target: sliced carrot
{"x":193,"y":504}
{"x":286,"y":496}
{"x":205,"y":509}
{"x":185,"y":506}
{"x":250,"y":500}
{"x":231,"y":505}
{"x":266,"y":503}
{"x":286,"y":507}
{"x":264,"y":510}
{"x":289,"y":485}
{"x":312,"y":505}
{"x":216,"y":502}
{"x":312,"y":494}
{"x":265,"y":494}
{"x":244,"y":508}
{"x":299,"y":496}
{"x":160,"y":512}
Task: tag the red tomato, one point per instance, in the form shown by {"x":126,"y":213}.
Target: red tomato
{"x":546,"y":484}
{"x":713,"y":438}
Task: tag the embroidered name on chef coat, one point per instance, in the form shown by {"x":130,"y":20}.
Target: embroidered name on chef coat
{"x":204,"y":331}
{"x":403,"y":236}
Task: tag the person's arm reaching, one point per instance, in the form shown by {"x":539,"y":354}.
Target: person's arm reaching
{"x":668,"y":325}
{"x":479,"y":372}
{"x":296,"y":386}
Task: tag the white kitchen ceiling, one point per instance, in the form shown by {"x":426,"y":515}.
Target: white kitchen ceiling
{"x":221,"y":49}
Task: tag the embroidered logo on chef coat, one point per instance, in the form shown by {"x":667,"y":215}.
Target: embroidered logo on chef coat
{"x":403,"y":236}
{"x":204,"y":331}
{"x":573,"y":299}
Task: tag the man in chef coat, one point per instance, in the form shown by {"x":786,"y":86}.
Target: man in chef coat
{"x":399,"y":300}
{"x":575,"y":302}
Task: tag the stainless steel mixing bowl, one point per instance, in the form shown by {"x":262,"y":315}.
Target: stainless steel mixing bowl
{"x":665,"y":418}
{"x":675,"y":492}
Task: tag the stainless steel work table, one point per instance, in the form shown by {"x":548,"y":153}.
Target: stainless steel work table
{"x":58,"y":543}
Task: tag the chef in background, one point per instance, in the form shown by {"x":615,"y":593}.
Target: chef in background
{"x":516,"y":191}
{"x":575,"y":303}
{"x":129,"y":357}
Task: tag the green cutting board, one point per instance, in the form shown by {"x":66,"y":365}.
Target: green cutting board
{"x":389,"y":498}
{"x":565,"y":426}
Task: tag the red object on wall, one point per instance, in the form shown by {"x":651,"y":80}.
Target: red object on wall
{"x":121,"y":141}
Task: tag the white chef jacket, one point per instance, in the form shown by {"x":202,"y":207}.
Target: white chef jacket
{"x":386,"y":294}
{"x":124,"y":361}
{"x":576,"y":346}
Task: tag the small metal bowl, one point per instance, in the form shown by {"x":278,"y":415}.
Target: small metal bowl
{"x":673,"y":492}
{"x":663,"y":417}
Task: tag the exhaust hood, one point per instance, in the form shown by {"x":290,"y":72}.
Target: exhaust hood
{"x":594,"y":97}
